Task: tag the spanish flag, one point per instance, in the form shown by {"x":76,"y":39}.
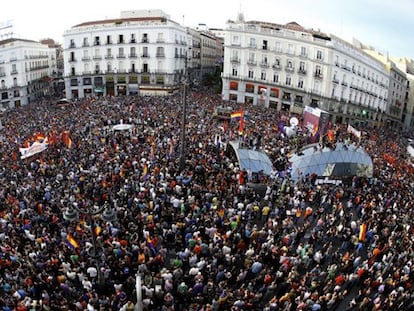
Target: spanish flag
{"x":71,"y":242}
{"x":362,"y":232}
{"x":145,"y":173}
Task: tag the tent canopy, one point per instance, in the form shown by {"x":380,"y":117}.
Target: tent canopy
{"x":252,"y":160}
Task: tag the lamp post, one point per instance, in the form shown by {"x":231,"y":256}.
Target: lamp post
{"x":107,"y":214}
{"x":184,"y":116}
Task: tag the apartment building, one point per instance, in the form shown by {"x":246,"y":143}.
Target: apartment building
{"x":26,"y":68}
{"x":288,"y":67}
{"x":142,"y":52}
{"x":406,"y":65}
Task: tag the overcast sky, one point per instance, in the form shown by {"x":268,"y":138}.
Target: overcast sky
{"x":385,"y":25}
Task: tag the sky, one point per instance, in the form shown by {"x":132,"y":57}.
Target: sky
{"x":385,"y":25}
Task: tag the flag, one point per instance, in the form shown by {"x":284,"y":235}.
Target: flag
{"x":97,"y":229}
{"x":145,"y":172}
{"x":331,"y":135}
{"x":241,"y":123}
{"x":71,"y":242}
{"x":66,"y":139}
{"x":353,"y":131}
{"x":236,"y":115}
{"x":362,"y":232}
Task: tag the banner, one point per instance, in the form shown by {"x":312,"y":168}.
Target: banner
{"x":353,"y":131}
{"x":34,"y":148}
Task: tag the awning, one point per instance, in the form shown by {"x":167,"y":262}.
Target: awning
{"x":234,"y":85}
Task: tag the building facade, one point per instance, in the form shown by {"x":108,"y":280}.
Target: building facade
{"x":142,"y":52}
{"x":26,"y":68}
{"x":406,"y":65}
{"x":288,"y":67}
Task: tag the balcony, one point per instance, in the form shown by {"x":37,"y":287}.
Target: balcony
{"x":160,"y":41}
{"x":85,"y":44}
{"x":344,"y":83}
{"x":251,"y":62}
{"x":145,"y":55}
{"x":72,"y":60}
{"x":86,"y":58}
{"x":144,"y":40}
{"x":264,"y":64}
{"x":302,"y":71}
{"x":2,"y":74}
{"x":121,"y":56}
{"x":133,"y":55}
{"x":289,"y":69}
{"x":132,"y":41}
{"x":13,"y":72}
{"x":160,"y":55}
{"x":276,"y":66}
{"x":335,"y":80}
{"x":72,"y":46}
{"x":109,"y":56}
{"x":97,"y":57}
{"x":318,"y":75}
{"x":108,"y":43}
{"x":252,"y":46}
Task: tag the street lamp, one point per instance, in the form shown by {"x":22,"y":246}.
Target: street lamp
{"x":184,"y":116}
{"x":107,"y":214}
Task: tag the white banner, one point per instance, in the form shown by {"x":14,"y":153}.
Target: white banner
{"x":353,"y":131}
{"x":35,"y":148}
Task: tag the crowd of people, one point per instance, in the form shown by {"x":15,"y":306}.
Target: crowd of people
{"x":194,"y":237}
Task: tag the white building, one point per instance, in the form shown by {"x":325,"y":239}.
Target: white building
{"x":25,"y":70}
{"x":142,"y":52}
{"x":288,"y":67}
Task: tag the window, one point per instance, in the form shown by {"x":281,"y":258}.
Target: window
{"x":145,"y":68}
{"x":249,"y":88}
{"x":85,"y":42}
{"x":278,"y":47}
{"x":96,"y":41}
{"x":108,"y":53}
{"x":73,"y":72}
{"x":133,"y":38}
{"x":121,"y":52}
{"x":288,"y":80}
{"x":252,"y":43}
{"x":160,"y":37}
{"x":72,"y":43}
{"x":251,"y":58}
{"x":251,"y":74}
{"x":264,"y":44}
{"x":300,"y":84}
{"x":263,"y":75}
{"x":276,"y":78}
{"x":319,"y":55}
{"x":145,"y":51}
{"x":160,"y":51}
{"x":108,"y":39}
{"x":121,"y":39}
{"x":235,"y":40}
{"x":144,"y":37}
{"x":264,"y":60}
{"x":97,"y":68}
{"x":318,"y":71}
{"x":302,"y":68}
{"x":132,"y":52}
{"x":234,"y":85}
{"x":303,"y":51}
{"x":291,"y":49}
{"x":234,"y":72}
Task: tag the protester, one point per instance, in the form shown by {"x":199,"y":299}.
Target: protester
{"x":201,"y":238}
